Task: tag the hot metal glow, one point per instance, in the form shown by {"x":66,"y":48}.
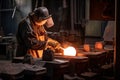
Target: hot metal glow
{"x":70,"y":51}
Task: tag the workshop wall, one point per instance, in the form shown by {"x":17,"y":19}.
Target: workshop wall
{"x":11,"y":12}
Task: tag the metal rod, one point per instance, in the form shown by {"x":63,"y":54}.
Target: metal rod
{"x":3,"y":10}
{"x":36,"y":4}
{"x":42,"y":4}
{"x":72,"y":16}
{"x":13,"y":12}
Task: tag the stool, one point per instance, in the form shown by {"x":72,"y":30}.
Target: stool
{"x":33,"y":72}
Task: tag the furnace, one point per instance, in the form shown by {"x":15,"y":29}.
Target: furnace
{"x":77,"y":65}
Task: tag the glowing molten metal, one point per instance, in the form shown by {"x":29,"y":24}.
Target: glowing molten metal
{"x":70,"y":51}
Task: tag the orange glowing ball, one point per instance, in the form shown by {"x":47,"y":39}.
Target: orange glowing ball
{"x":98,"y":45}
{"x":70,"y":51}
{"x":86,"y":47}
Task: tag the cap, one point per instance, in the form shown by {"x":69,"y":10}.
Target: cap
{"x":42,"y":13}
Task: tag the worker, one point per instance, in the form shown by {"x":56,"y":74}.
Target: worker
{"x":31,"y":35}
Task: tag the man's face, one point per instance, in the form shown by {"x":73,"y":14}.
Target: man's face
{"x":39,"y":23}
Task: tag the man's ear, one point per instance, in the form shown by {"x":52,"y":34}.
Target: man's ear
{"x":32,"y":17}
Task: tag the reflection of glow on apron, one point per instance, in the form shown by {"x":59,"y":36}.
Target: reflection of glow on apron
{"x":38,"y":53}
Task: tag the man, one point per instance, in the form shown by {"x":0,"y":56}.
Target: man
{"x":31,"y":35}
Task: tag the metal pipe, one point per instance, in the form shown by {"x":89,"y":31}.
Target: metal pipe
{"x":72,"y":17}
{"x":13,"y":12}
{"x":3,"y":10}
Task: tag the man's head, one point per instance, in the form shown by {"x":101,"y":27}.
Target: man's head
{"x":41,"y":16}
